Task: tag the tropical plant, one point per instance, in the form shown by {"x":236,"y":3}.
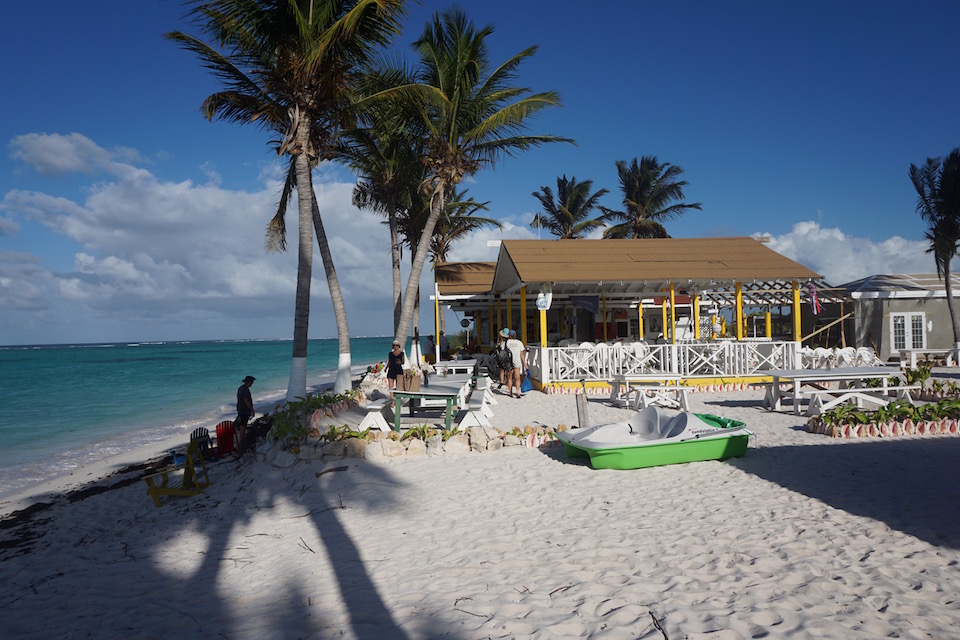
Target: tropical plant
{"x":472,"y":115}
{"x":652,"y":195}
{"x":920,"y":375}
{"x":288,"y":66}
{"x":938,"y":203}
{"x":567,"y":215}
{"x":845,"y":414}
{"x":422,"y":432}
{"x":895,"y":411}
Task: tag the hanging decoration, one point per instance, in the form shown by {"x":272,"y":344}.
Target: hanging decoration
{"x":815,"y":305}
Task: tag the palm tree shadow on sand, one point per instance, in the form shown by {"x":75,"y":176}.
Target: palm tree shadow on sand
{"x":181,"y":551}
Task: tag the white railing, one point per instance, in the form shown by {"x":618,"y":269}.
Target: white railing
{"x":721,"y":358}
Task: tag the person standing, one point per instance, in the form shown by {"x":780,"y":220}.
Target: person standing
{"x":503,"y":358}
{"x":395,"y":361}
{"x":244,"y":405}
{"x":517,"y":355}
{"x":444,"y":347}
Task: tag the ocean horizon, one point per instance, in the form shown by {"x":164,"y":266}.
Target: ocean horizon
{"x":68,"y":405}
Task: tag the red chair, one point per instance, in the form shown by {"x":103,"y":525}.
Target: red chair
{"x":226,"y":438}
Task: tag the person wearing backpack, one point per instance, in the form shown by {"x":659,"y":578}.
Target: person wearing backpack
{"x":504,"y":358}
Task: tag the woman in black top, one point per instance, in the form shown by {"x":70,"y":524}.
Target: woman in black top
{"x":395,"y":361}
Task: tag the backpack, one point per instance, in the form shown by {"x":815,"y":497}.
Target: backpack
{"x":505,"y":358}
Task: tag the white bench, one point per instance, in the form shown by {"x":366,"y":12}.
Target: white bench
{"x":375,"y":418}
{"x":909,"y":356}
{"x":822,"y":400}
{"x":671,"y":396}
{"x":476,"y":414}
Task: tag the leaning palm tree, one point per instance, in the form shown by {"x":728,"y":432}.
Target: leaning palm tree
{"x":652,"y":195}
{"x":473,"y":116}
{"x":938,"y":203}
{"x":568,"y":215}
{"x":288,"y":66}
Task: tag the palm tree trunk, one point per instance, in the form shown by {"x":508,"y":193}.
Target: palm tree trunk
{"x":419,"y":258}
{"x":297,"y":387}
{"x":344,"y":375}
{"x":395,"y":261}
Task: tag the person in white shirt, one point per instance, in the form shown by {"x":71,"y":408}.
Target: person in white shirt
{"x":519,"y":355}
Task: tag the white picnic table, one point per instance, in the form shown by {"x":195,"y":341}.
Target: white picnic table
{"x":850,"y":380}
{"x":456,"y":367}
{"x":662,"y":389}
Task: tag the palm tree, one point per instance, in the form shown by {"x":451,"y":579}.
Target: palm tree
{"x":288,"y":66}
{"x":472,"y":114}
{"x":938,"y":203}
{"x":568,"y":216}
{"x":457,"y":223}
{"x":387,"y":165}
{"x":652,"y":195}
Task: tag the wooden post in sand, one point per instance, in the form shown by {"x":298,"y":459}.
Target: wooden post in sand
{"x":582,"y":418}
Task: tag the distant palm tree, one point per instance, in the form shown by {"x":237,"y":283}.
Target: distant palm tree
{"x":457,"y":222}
{"x":568,"y":216}
{"x":288,"y":66}
{"x":386,"y":158}
{"x":652,"y":195}
{"x":473,"y":115}
{"x":938,"y":203}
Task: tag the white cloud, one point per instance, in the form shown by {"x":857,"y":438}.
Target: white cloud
{"x":841,"y":258}
{"x":53,"y":153}
{"x":157,"y":253}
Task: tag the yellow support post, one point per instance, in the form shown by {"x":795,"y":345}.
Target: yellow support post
{"x":695,"y":317}
{"x":499,"y":315}
{"x":436,"y":318}
{"x":510,"y":313}
{"x":492,"y":329}
{"x":713,"y":321}
{"x":769,"y":328}
{"x":663,"y":315}
{"x":739,"y":310}
{"x":796,"y":311}
{"x":543,"y":328}
{"x":673,"y":315}
{"x":640,"y":316}
{"x":523,"y":314}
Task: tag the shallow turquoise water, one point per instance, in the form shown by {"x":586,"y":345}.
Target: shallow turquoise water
{"x":66,"y":405}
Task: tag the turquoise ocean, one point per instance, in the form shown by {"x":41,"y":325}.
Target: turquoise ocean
{"x":64,"y":406}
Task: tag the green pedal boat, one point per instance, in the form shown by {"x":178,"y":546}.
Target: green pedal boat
{"x":653,"y":438}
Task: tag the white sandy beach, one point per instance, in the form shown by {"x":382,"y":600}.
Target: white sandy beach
{"x":804,"y":537}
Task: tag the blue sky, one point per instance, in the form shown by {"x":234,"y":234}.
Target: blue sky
{"x":126,"y":216}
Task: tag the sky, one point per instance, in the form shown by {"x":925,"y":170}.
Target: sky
{"x":126,"y":216}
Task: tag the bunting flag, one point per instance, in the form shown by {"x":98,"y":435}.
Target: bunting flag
{"x":815,"y":306}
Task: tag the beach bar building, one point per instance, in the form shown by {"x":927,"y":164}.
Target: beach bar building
{"x":591,"y":310}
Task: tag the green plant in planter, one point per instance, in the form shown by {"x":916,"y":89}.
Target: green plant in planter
{"x":287,"y":428}
{"x":455,"y":430}
{"x":920,"y":375}
{"x":895,"y":411}
{"x":952,"y":388}
{"x":937,"y":386}
{"x":845,"y":414}
{"x":423,"y":432}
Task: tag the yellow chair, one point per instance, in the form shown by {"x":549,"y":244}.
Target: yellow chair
{"x":162,"y":483}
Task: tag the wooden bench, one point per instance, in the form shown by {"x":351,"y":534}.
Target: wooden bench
{"x":162,"y":483}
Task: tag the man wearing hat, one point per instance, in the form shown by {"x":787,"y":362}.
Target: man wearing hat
{"x":244,"y":404}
